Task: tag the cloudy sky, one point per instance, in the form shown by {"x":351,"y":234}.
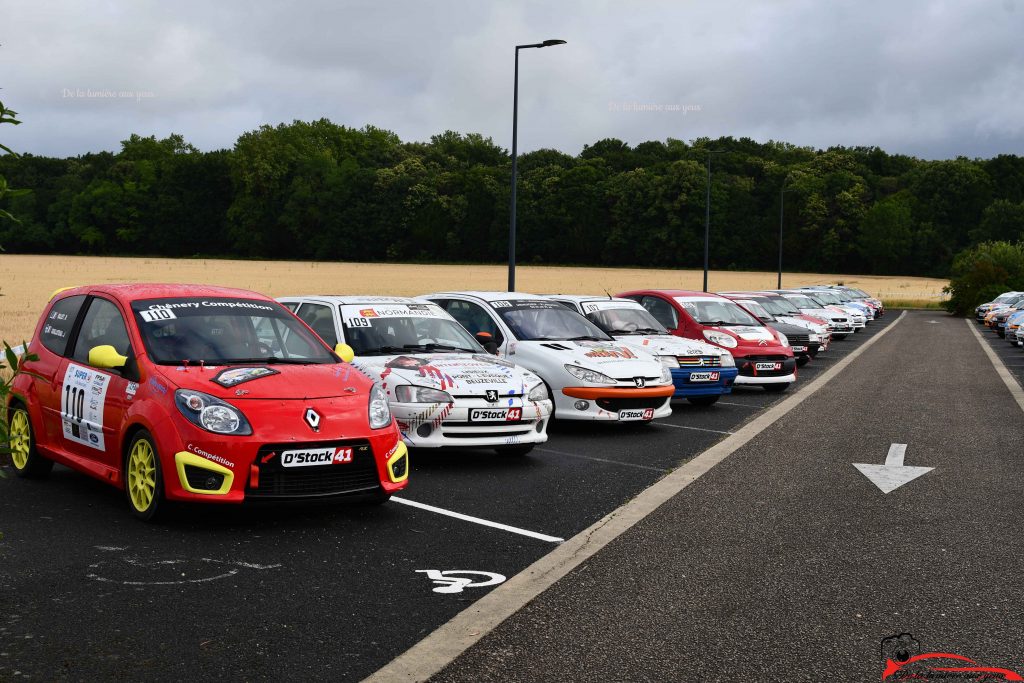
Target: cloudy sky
{"x":931,"y":78}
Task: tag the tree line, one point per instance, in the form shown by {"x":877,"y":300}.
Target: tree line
{"x":318,"y":190}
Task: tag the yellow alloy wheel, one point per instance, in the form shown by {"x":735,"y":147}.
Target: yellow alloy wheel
{"x":142,"y":475}
{"x":20,"y":438}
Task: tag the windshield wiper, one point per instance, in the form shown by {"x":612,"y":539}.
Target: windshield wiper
{"x":267,"y":360}
{"x":585,"y":337}
{"x":717,"y":323}
{"x":381,"y":351}
{"x":430,"y":346}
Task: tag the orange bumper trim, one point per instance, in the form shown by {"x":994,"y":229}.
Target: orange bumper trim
{"x":594,"y":393}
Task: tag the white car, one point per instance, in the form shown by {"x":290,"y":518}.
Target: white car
{"x":785,"y":312}
{"x":591,"y":376}
{"x":835,"y":297}
{"x":830,"y":300}
{"x":443,"y":388}
{"x":702,"y":372}
{"x":839,"y":323}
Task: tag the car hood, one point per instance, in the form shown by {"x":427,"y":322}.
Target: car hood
{"x":459,"y":373}
{"x":747,"y":333}
{"x":670,"y":345}
{"x":612,"y":358}
{"x":282,"y":382}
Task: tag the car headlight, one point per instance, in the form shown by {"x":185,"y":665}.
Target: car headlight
{"x":591,"y":376}
{"x":813,"y":337}
{"x":409,"y":393}
{"x":380,"y":413}
{"x":727,"y":360}
{"x":783,"y":339}
{"x":539,"y":392}
{"x":720,"y":338}
{"x":669,"y":362}
{"x":210,"y":413}
{"x":666,"y":374}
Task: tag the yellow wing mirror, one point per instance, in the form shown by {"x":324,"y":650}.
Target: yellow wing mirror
{"x":106,"y":356}
{"x":345,"y":352}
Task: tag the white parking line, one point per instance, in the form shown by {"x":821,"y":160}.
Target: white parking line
{"x":1008,"y":379}
{"x":477,"y":520}
{"x":610,"y":462}
{"x":696,"y":429}
{"x":744,"y":405}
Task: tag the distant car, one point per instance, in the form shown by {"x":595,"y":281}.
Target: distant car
{"x":1001,"y":300}
{"x":839,"y":323}
{"x":762,"y":355}
{"x":783,"y":310}
{"x":590,"y":375}
{"x":860,"y":295}
{"x":1013,"y":323}
{"x":199,"y":394}
{"x":831,"y":299}
{"x":444,"y":389}
{"x":805,"y":344}
{"x":704,"y":372}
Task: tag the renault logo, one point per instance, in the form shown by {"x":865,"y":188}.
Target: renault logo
{"x":492,"y":395}
{"x":640,"y":382}
{"x":312,"y":419}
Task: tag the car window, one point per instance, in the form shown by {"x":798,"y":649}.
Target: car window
{"x":59,"y":321}
{"x":475,"y":319}
{"x":662,"y":311}
{"x":290,"y":305}
{"x":321,"y":319}
{"x":103,"y":326}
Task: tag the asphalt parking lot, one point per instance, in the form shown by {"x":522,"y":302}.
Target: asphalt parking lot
{"x":260,"y":593}
{"x":1012,"y":356}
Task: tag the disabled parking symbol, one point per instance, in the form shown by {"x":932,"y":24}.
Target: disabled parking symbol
{"x":455,"y":580}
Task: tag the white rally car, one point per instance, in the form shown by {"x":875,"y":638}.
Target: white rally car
{"x":839,"y":323}
{"x":591,"y":376}
{"x":702,"y":372}
{"x":443,"y":388}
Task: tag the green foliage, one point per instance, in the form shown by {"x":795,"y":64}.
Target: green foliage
{"x":10,"y":367}
{"x":8,"y":116}
{"x":983,"y":272}
{"x":318,"y":190}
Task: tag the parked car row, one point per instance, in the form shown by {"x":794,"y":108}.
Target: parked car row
{"x":194,"y":393}
{"x":1004,"y":315}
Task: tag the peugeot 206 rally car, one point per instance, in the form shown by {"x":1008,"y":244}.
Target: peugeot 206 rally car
{"x":443,"y":387}
{"x":805,"y":344}
{"x":203,"y":394}
{"x":762,"y":354}
{"x":590,"y":375}
{"x":839,"y":324}
{"x":782,"y":310}
{"x":703,"y":372}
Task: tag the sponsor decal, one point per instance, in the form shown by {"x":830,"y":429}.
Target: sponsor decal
{"x":704,"y":376}
{"x":903,"y":661}
{"x":495,"y":414}
{"x":210,"y":456}
{"x":234,"y":376}
{"x":83,"y":423}
{"x":610,"y":352}
{"x":308,"y":457}
{"x":774,"y":365}
{"x":501,"y":304}
{"x":157,"y":314}
{"x":131,"y":390}
{"x":368,"y":313}
{"x":157,"y":385}
{"x":636,"y":415}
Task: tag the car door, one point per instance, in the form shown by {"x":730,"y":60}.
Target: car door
{"x":54,"y":336}
{"x":94,"y":400}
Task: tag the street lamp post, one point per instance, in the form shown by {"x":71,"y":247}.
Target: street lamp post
{"x":512,"y":205}
{"x":782,"y":210}
{"x":707,"y":215}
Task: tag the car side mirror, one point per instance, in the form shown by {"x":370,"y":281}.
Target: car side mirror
{"x":345,"y":352}
{"x":486,"y":340}
{"x":106,"y":357}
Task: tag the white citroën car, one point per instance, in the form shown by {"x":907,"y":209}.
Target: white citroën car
{"x":591,"y":375}
{"x":443,"y":387}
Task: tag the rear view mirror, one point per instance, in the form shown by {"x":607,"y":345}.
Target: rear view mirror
{"x":345,"y":352}
{"x":106,"y":357}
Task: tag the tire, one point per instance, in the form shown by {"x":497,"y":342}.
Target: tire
{"x":378,"y":497}
{"x":703,"y":401}
{"x":1001,"y":332}
{"x":25,"y":457}
{"x":839,"y":337}
{"x":143,"y":478}
{"x":775,"y":388}
{"x":802,"y":361}
{"x":514,"y":451}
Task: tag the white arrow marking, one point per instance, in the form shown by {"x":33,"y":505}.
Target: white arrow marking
{"x":893,"y":474}
{"x":932,"y":322}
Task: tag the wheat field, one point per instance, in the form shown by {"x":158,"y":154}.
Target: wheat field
{"x":26,"y":282}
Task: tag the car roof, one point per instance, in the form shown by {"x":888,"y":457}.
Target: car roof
{"x":491,"y":296}
{"x":583,"y":298}
{"x":354,"y":299}
{"x":154,"y":290}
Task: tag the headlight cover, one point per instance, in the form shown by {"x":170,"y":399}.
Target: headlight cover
{"x":380,"y":413}
{"x":591,"y":376}
{"x":666,"y":374}
{"x":720,"y":338}
{"x":409,"y":393}
{"x":669,"y":362}
{"x":210,"y":413}
{"x":727,"y":360}
{"x":783,"y":339}
{"x":539,"y":392}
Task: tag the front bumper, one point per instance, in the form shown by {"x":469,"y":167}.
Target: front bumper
{"x":608,"y":403}
{"x":749,"y":373}
{"x":446,"y":425}
{"x":686,"y":386}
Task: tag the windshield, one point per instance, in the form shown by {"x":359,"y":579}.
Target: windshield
{"x":779,"y":306}
{"x":827,"y":297}
{"x":717,"y":312}
{"x":755,"y":308}
{"x":533,"y":320}
{"x":222,"y":331}
{"x":619,"y":318}
{"x":389,"y":329}
{"x":1003,"y":298}
{"x":802,"y":301}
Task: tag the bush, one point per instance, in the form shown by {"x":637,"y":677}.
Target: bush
{"x":982,"y":273}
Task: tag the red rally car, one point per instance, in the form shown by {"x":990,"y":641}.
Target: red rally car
{"x":197,"y":393}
